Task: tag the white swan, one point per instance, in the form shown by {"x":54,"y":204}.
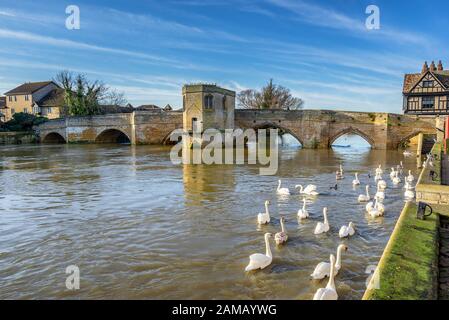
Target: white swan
{"x":259,"y":260}
{"x":392,"y":173}
{"x":378,"y":177}
{"x":379,"y":170}
{"x":330,"y":292}
{"x":365,"y":197}
{"x":322,"y":270}
{"x":410,"y":177}
{"x":338,"y":175}
{"x":347,"y":231}
{"x":356,"y":181}
{"x":283,"y":191}
{"x":303,"y":213}
{"x":377,"y":211}
{"x":264,"y":218}
{"x":322,"y":227}
{"x":409,"y":195}
{"x":309,"y":190}
{"x":380,"y":195}
{"x":396,"y":179}
{"x":382,"y":184}
{"x":369,"y":206}
{"x":380,"y":206}
{"x":281,"y":237}
{"x":408,"y":186}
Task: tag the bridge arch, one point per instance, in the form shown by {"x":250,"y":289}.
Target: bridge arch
{"x":53,"y":138}
{"x":166,"y":141}
{"x":282,"y":129}
{"x":112,"y":136}
{"x":351,"y":130}
{"x":407,"y":138}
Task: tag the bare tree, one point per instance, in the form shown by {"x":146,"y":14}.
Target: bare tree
{"x":271,"y":96}
{"x":115,"y":98}
{"x":82,"y":96}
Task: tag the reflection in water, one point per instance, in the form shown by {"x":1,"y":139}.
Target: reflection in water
{"x":140,"y":227}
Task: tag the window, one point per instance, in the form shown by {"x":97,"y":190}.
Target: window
{"x":427,"y":84}
{"x":49,"y":110}
{"x":224,"y":102}
{"x":428,"y":102}
{"x":25,"y":110}
{"x":194,"y":124}
{"x":15,"y":98}
{"x":13,"y":111}
{"x":27,"y":98}
{"x":10,"y":99}
{"x":208,"y":101}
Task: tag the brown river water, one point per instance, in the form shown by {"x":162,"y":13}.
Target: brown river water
{"x":139,"y":227}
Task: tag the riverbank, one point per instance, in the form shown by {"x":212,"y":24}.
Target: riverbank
{"x":410,"y":267}
{"x":12,"y":138}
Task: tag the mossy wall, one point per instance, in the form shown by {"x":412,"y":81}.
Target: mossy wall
{"x":408,"y":269}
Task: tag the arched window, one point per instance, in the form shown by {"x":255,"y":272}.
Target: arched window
{"x":184,"y":103}
{"x":224,"y":102}
{"x":208,"y":101}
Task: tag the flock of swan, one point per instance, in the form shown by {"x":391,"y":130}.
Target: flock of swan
{"x":374,"y":207}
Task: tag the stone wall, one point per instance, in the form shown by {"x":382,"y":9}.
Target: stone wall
{"x":16,"y":138}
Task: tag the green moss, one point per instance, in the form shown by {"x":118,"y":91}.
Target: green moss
{"x":409,"y":267}
{"x":372,"y":116}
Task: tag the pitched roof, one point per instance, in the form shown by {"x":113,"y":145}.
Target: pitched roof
{"x":55,"y":98}
{"x":410,"y":80}
{"x":29,"y":87}
{"x":443,"y":76}
{"x":2,"y":102}
{"x":148,"y":107}
{"x":105,"y":109}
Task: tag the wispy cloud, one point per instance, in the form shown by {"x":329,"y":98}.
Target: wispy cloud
{"x":325,"y":17}
{"x":66,"y":43}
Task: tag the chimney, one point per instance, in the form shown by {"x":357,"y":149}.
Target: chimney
{"x":425,"y":68}
{"x":440,"y":66}
{"x":433,"y":68}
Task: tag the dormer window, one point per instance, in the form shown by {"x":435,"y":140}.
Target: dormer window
{"x":427,"y":84}
{"x":208,"y":101}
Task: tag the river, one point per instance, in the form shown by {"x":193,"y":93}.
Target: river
{"x":139,"y":227}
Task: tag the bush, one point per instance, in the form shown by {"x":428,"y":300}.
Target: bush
{"x":22,"y":122}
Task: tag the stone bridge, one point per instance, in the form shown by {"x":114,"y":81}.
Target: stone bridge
{"x":312,"y":128}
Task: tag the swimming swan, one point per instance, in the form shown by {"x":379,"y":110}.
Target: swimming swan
{"x":309,"y":190}
{"x":356,"y":181}
{"x":322,"y":269}
{"x":281,"y":237}
{"x":347,"y":231}
{"x":380,"y":195}
{"x":365,"y":197}
{"x":283,"y":191}
{"x":264,"y":218}
{"x":410,"y":177}
{"x":259,"y":260}
{"x":303,"y":213}
{"x":322,"y":227}
{"x":396,"y":179}
{"x":328,"y":293}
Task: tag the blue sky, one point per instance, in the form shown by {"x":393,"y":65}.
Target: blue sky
{"x":321,"y":50}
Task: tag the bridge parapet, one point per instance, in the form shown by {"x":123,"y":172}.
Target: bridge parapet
{"x":313,"y":128}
